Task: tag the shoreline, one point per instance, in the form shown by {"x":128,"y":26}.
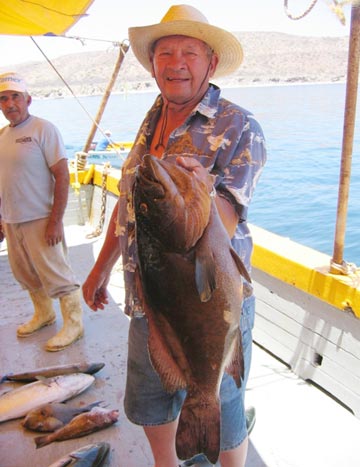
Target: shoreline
{"x":222,"y":86}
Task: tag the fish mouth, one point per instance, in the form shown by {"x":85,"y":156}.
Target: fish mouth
{"x":153,"y":178}
{"x":149,"y":184}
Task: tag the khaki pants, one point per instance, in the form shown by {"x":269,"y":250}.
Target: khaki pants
{"x":34,"y":263}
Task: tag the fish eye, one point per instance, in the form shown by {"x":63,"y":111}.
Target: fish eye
{"x":143,"y":208}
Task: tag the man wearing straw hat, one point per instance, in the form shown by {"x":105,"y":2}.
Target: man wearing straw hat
{"x":189,"y":118}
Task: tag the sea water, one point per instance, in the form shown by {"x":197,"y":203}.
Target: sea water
{"x":297,"y":194}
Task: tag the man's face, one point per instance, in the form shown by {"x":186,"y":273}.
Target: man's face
{"x":14,"y":106}
{"x":182,"y":67}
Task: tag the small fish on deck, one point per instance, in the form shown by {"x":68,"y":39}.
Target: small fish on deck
{"x":18,"y":402}
{"x":97,"y":419}
{"x":55,"y":415}
{"x":91,"y":455}
{"x":49,"y":372}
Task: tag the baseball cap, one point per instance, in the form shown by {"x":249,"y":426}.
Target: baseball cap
{"x":12,"y":82}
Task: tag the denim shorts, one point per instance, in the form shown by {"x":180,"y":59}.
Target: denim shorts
{"x":146,"y":403}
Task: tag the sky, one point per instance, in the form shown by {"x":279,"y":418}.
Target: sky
{"x":108,"y":21}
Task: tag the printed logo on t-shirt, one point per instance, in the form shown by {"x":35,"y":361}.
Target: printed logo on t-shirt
{"x":24,"y":139}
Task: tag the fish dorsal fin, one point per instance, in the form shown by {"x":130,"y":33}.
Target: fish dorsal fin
{"x":240,"y":265}
{"x":204,"y":274}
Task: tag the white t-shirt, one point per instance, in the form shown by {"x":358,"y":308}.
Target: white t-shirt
{"x":26,"y":183}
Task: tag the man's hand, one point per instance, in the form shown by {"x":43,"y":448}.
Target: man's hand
{"x":226,"y":211}
{"x":198,"y":169}
{"x":54,"y":232}
{"x":95,"y":291}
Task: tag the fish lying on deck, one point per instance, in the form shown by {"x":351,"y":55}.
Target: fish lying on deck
{"x":18,"y":402}
{"x":81,"y":425}
{"x":52,"y":416}
{"x":91,"y":455}
{"x":190,"y":279}
{"x":28,"y":376}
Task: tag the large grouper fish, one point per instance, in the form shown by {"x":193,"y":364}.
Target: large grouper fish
{"x":190,"y":281}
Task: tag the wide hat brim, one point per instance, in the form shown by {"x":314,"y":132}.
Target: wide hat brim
{"x":224,"y":44}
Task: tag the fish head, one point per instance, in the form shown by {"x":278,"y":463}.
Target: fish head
{"x":40,"y":420}
{"x":91,"y":454}
{"x":171,"y":203}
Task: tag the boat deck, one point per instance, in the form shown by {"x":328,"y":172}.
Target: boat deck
{"x":298,"y":425}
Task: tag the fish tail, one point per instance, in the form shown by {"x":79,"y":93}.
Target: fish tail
{"x":41,"y":441}
{"x":199,"y":428}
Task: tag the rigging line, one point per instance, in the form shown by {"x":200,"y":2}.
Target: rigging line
{"x":66,"y":84}
{"x":82,"y":39}
{"x":289,"y":15}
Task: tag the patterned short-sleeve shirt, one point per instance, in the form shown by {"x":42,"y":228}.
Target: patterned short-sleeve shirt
{"x":227,"y":140}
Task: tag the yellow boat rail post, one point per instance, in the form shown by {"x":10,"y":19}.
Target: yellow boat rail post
{"x":337,"y":263}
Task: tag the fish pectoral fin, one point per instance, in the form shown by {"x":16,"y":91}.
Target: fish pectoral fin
{"x":204,"y":275}
{"x":240,"y":265}
{"x":170,"y":373}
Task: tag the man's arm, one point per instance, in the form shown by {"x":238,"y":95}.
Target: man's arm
{"x":55,"y":230}
{"x":94,"y":288}
{"x":2,"y":233}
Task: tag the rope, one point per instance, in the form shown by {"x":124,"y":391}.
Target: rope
{"x":84,"y":39}
{"x":313,"y":3}
{"x":67,"y":85}
{"x":100,"y":226}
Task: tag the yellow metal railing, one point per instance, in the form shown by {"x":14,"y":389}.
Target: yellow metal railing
{"x":292,"y":263}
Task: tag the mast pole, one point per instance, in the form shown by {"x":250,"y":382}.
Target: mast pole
{"x":123,"y":48}
{"x":337,"y":264}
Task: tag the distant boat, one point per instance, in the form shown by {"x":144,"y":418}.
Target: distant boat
{"x":115,"y":154}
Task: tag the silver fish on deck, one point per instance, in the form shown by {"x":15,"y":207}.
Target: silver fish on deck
{"x":18,"y":402}
{"x":91,"y":455}
{"x":51,"y":417}
{"x":49,"y":372}
{"x":191,"y":283}
{"x":97,"y":419}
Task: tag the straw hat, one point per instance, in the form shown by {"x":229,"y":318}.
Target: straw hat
{"x":186,"y":20}
{"x":12,"y":82}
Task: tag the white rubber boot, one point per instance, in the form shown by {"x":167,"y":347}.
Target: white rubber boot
{"x":72,"y":329}
{"x":44,"y":314}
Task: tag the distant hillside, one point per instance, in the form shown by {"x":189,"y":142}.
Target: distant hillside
{"x":269,"y":58}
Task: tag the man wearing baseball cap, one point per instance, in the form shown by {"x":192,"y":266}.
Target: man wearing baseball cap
{"x":12,"y":81}
{"x":192,"y":125}
{"x":34,"y":184}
